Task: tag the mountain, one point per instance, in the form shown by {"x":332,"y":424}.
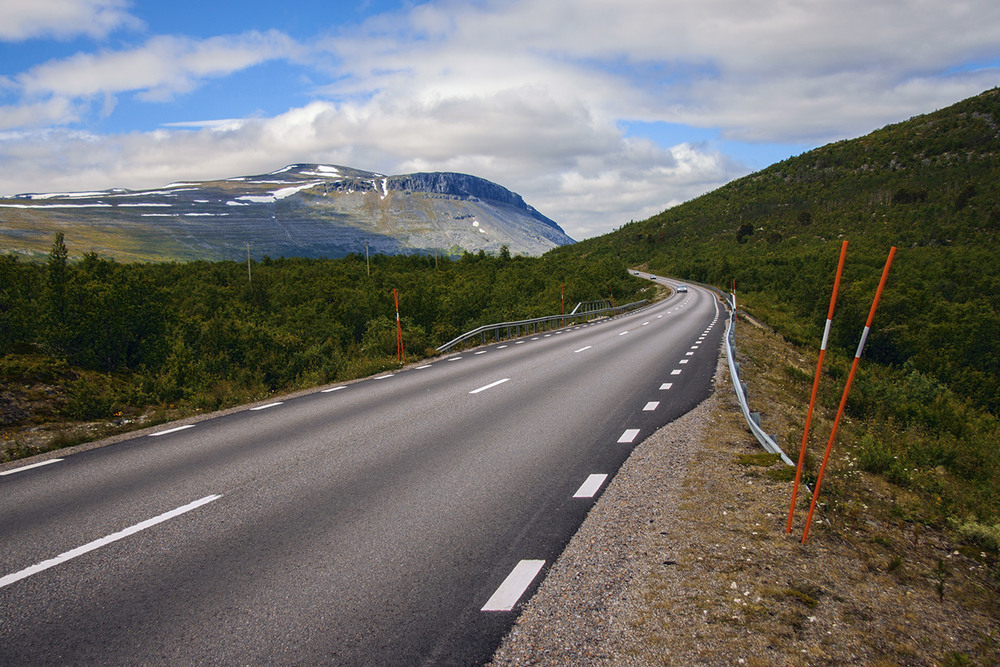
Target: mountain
{"x":302,"y":210}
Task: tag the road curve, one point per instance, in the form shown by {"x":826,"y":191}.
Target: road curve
{"x":399,"y":520}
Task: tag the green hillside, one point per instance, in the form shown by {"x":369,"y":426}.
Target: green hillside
{"x":929,"y":391}
{"x":930,"y":186}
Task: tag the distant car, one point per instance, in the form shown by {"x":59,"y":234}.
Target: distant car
{"x":682,"y":288}
{"x":652,"y":277}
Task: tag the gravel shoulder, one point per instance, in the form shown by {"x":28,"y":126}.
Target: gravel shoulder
{"x":684,"y":560}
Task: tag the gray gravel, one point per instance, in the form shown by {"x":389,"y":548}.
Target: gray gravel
{"x":585,"y":609}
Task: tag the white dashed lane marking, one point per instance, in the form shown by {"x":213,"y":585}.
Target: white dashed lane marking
{"x":172,"y":430}
{"x":652,"y":405}
{"x":44,"y":463}
{"x":628,"y":436}
{"x":514,"y":586}
{"x":97,"y":544}
{"x":489,"y":386}
{"x":590,"y":487}
{"x":269,"y":405}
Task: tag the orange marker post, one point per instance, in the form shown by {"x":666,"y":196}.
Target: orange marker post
{"x":815,"y":387}
{"x":847,"y":389}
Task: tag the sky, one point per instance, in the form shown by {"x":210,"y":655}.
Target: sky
{"x":597,"y":112}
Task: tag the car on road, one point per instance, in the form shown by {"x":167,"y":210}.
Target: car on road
{"x":682,"y":288}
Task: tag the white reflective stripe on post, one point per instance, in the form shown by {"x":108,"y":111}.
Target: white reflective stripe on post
{"x":826,"y":334}
{"x":861,"y":345}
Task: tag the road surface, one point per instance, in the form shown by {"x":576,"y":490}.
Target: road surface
{"x":403,"y":519}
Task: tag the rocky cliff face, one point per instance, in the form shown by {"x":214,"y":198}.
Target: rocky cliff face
{"x":302,"y":210}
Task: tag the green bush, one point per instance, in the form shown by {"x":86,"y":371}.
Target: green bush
{"x":981,"y":535}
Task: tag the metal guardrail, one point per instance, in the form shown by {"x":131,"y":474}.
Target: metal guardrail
{"x":582,"y":313}
{"x":753,"y":418}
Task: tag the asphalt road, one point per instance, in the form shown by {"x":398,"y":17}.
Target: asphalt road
{"x":400,"y":520}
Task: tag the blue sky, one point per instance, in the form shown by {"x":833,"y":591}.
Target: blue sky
{"x":596,"y":111}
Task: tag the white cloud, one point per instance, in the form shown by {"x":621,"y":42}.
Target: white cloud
{"x":25,"y":19}
{"x":38,"y":114}
{"x":809,"y":69}
{"x":531,"y":94}
{"x":158,"y":70}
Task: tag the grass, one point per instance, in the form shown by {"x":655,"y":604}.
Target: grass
{"x":880,"y":581}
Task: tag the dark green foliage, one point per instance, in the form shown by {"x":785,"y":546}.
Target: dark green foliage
{"x":928,"y":186}
{"x":210,"y":335}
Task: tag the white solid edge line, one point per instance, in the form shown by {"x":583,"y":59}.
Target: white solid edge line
{"x":590,"y":487}
{"x":513,"y":587}
{"x":652,"y":405}
{"x":29,"y":467}
{"x":269,"y":405}
{"x":97,"y":544}
{"x":327,"y":391}
{"x":583,"y":349}
{"x":489,"y":386}
{"x":628,"y":436}
{"x":171,"y":430}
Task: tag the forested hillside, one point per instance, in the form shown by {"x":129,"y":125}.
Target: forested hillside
{"x":929,"y":391}
{"x":97,"y":339}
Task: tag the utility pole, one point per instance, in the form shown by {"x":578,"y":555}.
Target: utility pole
{"x":562,"y":303}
